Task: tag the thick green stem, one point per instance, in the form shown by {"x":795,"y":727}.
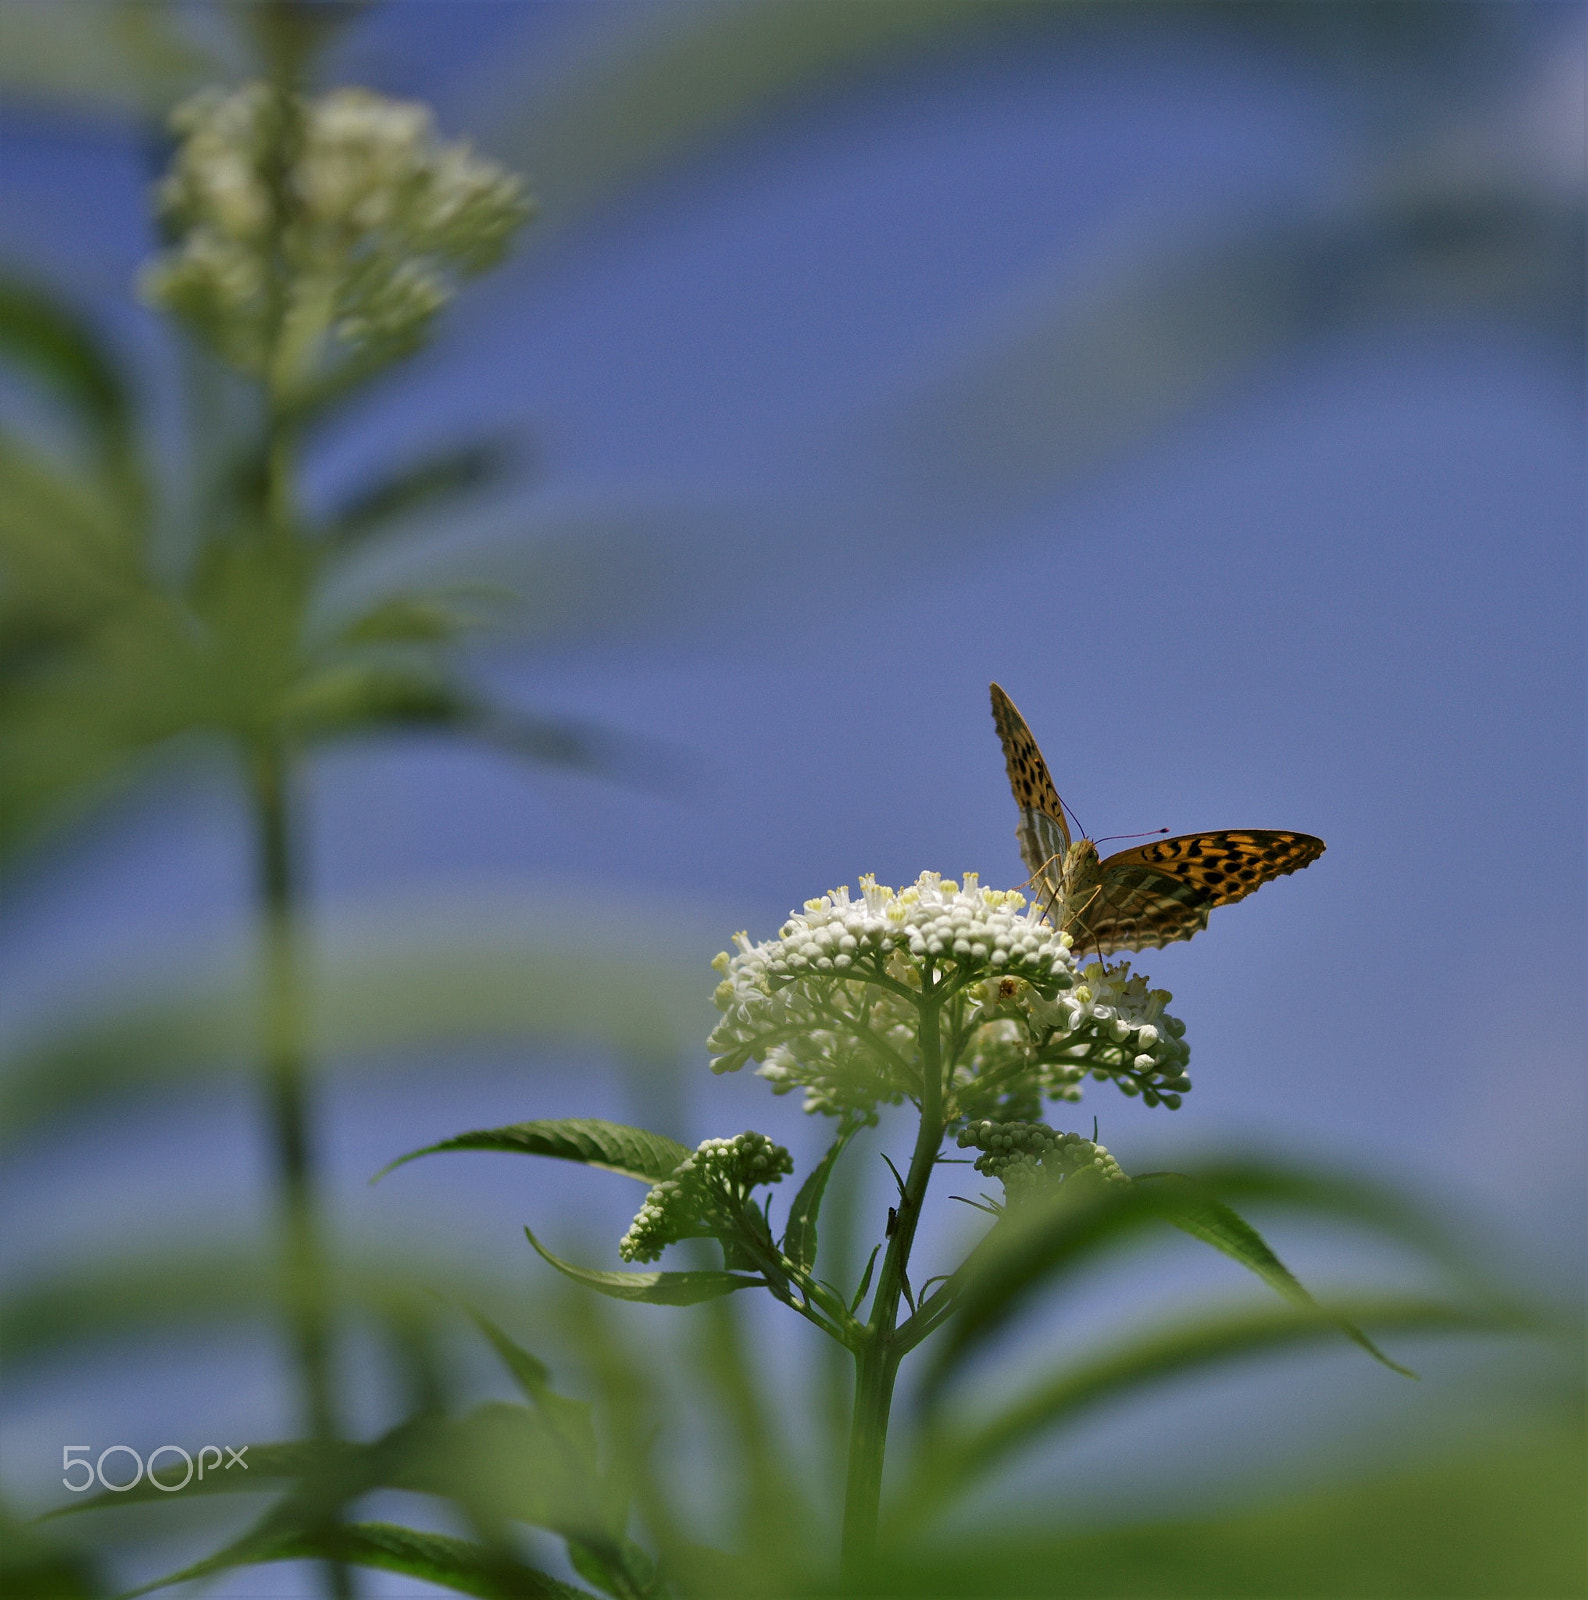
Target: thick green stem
{"x":878,"y":1354}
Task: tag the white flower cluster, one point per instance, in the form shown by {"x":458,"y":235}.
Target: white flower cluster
{"x":1030,"y":1158}
{"x":349,"y":198}
{"x":834,"y":1006}
{"x":705,"y":1193}
{"x":1113,"y":1025}
{"x":830,"y":1004}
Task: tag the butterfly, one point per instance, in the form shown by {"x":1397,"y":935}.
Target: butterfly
{"x":1142,"y":898}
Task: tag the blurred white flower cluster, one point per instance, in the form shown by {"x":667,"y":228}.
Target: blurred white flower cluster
{"x":1030,"y":1158}
{"x":297,"y":223}
{"x":835,"y":1006}
{"x":705,"y":1194}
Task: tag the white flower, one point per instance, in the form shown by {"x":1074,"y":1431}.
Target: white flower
{"x":356,"y":241}
{"x":836,"y":1005}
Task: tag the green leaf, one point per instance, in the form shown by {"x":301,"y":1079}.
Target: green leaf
{"x":61,"y":349}
{"x":499,"y":1463}
{"x":1045,"y":1243}
{"x":865,"y":1279}
{"x":571,"y":1420}
{"x":1207,"y":1218}
{"x":430,"y":483}
{"x":613,"y":1146}
{"x":88,"y":1302}
{"x":406,"y":619}
{"x":617,"y":1566}
{"x":455,"y":1564}
{"x":531,"y":1374}
{"x":799,"y":1237}
{"x":690,"y":75}
{"x":346,"y":697}
{"x":266,"y":1467}
{"x":506,"y":967}
{"x":953,"y":1457}
{"x":653,"y":1288}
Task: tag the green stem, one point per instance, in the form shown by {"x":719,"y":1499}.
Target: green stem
{"x":285,"y":1074}
{"x":879,"y":1352}
{"x":285,"y":1071}
{"x":288,"y":36}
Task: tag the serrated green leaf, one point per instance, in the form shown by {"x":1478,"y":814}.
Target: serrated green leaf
{"x":437,"y":1558}
{"x":651,"y":1288}
{"x":612,"y":1146}
{"x":799,"y":1237}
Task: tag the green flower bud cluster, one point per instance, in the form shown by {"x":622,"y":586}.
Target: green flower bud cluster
{"x":1030,"y":1158}
{"x":831,"y":1005}
{"x":301,"y":222}
{"x":706,"y":1194}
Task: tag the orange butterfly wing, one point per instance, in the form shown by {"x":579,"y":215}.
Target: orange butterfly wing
{"x":1157,"y":893}
{"x":1043,"y":833}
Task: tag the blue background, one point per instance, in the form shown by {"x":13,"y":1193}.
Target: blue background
{"x":801,"y":481}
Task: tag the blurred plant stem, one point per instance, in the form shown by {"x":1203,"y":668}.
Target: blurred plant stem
{"x":881,"y":1347}
{"x":285,"y":1061}
{"x":288,"y":47}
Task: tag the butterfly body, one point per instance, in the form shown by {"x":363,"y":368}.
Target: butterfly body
{"x":1137,"y":899}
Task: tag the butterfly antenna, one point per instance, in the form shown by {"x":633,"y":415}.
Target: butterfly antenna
{"x":1080,"y":827}
{"x":1150,"y":833}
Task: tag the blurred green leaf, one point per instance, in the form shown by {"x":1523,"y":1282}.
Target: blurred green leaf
{"x":689,"y":77}
{"x":951,"y":1459}
{"x":1490,"y":1516}
{"x":433,"y":483}
{"x":652,"y":1288}
{"x":33,"y":1567}
{"x":692,"y":72}
{"x":137,"y":1291}
{"x":406,"y":619}
{"x":263,"y":1469}
{"x":613,"y":1146}
{"x":412,"y":974}
{"x":99,"y":56}
{"x":1207,"y":1218}
{"x":62,"y":350}
{"x":436,"y":1558}
{"x":1045,"y":1243}
{"x":1090,"y":365}
{"x":571,"y":1420}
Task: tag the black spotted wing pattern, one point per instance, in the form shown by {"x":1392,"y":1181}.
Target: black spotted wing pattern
{"x":1160,"y":892}
{"x":1043,"y":833}
{"x":1145,"y":897}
